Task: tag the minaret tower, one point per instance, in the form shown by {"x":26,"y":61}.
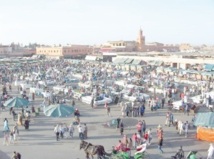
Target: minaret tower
{"x":140,"y":40}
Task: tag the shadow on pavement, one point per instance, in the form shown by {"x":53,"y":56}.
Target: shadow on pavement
{"x":4,"y":155}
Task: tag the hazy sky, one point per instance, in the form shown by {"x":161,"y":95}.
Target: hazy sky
{"x":97,"y":21}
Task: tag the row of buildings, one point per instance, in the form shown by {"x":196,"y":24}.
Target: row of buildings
{"x":15,"y":50}
{"x":80,"y":51}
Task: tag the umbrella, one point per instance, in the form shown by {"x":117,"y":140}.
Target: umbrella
{"x":58,"y":110}
{"x":16,"y":102}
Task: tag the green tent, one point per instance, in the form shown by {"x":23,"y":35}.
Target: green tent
{"x":209,"y":67}
{"x":58,"y":110}
{"x":205,"y":119}
{"x":16,"y":102}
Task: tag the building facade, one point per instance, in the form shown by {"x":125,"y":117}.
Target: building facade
{"x":71,"y":51}
{"x":139,"y":45}
{"x":5,"y":50}
{"x":155,"y":46}
{"x":119,"y":46}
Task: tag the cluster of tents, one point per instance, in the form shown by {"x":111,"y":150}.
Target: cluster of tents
{"x":57,"y":110}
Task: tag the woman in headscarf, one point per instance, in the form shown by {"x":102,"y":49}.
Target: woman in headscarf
{"x":6,"y":126}
{"x":6,"y":131}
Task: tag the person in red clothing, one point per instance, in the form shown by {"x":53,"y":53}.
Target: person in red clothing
{"x":146,"y":136}
{"x":120,"y":146}
{"x":134,"y":140}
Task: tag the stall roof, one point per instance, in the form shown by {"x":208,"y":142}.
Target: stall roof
{"x":122,"y":60}
{"x":207,"y":74}
{"x":159,"y":63}
{"x":205,"y":119}
{"x":91,"y":58}
{"x":136,"y":62}
{"x":128,"y":61}
{"x":116,"y":60}
{"x":209,"y":67}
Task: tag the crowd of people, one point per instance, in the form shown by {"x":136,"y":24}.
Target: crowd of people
{"x":137,"y":108}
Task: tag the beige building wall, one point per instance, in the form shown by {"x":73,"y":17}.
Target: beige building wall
{"x":185,"y":47}
{"x":49,"y":51}
{"x":5,"y":50}
{"x":121,"y":46}
{"x":65,"y":51}
{"x":77,"y":50}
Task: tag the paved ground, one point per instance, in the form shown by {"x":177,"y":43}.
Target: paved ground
{"x":39,"y":141}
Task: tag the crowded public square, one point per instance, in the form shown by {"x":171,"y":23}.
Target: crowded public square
{"x":77,"y":109}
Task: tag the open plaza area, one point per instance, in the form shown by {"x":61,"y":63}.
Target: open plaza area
{"x":103,"y":95}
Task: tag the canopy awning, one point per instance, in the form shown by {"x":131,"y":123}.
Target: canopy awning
{"x":120,"y":60}
{"x":128,"y":61}
{"x":210,"y":74}
{"x":91,"y":58}
{"x":205,"y":120}
{"x":209,"y":67}
{"x":136,"y":62}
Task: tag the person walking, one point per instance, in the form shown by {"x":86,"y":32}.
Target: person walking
{"x":121,"y":127}
{"x":167,"y":119}
{"x":149,"y":136}
{"x":186,"y":109}
{"x":143,"y":127}
{"x":186,"y":128}
{"x":61,"y":131}
{"x":15,"y":132}
{"x":123,"y":111}
{"x":118,"y":122}
{"x":139,"y":127}
{"x":56,"y":131}
{"x":160,"y":138}
{"x":180,"y":153}
{"x":6,"y":125}
{"x":14,"y":114}
{"x":127,"y":109}
{"x":162,"y":102}
{"x":14,"y":156}
{"x":171,"y":118}
{"x":11,"y":140}
{"x":71,"y":130}
{"x":80,"y":130}
{"x":125,"y":140}
{"x":18,"y":155}
{"x":6,"y":138}
{"x":107,"y":109}
{"x":6,"y":131}
{"x":134,"y":140}
{"x":130,"y":143}
{"x":142,"y":110}
{"x":85,"y":131}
